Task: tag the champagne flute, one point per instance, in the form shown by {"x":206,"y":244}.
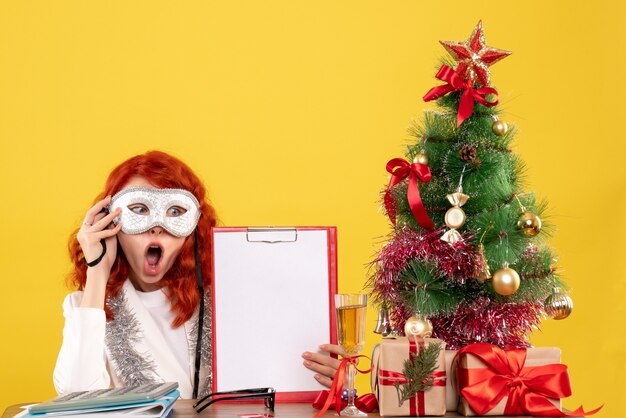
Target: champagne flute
{"x":351,"y":309}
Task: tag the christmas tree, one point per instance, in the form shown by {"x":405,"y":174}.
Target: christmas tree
{"x":467,"y":259}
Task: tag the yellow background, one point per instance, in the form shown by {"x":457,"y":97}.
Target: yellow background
{"x":289,"y":110}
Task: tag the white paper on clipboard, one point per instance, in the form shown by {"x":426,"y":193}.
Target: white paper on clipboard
{"x":272,"y":291}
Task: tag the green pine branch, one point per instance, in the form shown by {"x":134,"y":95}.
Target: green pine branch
{"x":427,"y":290}
{"x":538,"y":275}
{"x":418,"y":370}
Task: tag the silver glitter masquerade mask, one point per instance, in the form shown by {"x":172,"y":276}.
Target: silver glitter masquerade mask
{"x":175,"y":210}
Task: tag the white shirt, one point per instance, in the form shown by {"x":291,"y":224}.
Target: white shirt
{"x":85,"y":362}
{"x":159,"y":308}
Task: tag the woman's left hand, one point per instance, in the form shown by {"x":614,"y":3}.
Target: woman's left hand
{"x":322,"y":363}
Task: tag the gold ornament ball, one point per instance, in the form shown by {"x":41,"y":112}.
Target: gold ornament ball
{"x":558,"y":306}
{"x":421,"y":159}
{"x":505,"y":281}
{"x":499,"y":128}
{"x":418,"y":326}
{"x":529,"y":223}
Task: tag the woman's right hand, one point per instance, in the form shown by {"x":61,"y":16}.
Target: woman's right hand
{"x":96,"y":226}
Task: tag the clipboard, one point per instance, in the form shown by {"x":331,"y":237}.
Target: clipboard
{"x":272,"y":300}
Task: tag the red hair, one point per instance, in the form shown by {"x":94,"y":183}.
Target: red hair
{"x":163,"y":171}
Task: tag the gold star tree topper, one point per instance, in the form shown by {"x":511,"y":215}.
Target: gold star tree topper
{"x":474,"y":56}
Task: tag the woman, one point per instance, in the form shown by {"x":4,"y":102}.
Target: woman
{"x":139,"y":258}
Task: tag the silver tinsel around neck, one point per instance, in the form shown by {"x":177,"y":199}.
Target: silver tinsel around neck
{"x":124,"y":331}
{"x":121,"y":334}
{"x":206,"y":356}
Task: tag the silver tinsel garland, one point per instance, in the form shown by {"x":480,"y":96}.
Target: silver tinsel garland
{"x":121,"y":334}
{"x":206,"y":356}
{"x":134,"y":368}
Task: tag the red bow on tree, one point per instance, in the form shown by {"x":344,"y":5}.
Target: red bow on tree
{"x":468,"y":97}
{"x":528,"y":388}
{"x":399,"y":170}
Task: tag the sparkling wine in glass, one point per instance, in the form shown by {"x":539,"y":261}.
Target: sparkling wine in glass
{"x":351,"y":309}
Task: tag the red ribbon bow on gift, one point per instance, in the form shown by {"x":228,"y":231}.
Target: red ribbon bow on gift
{"x":470,"y":95}
{"x":399,"y":170}
{"x":338,"y":380}
{"x":527,"y":388}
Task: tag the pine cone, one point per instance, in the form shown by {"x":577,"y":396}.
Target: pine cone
{"x":467,"y":153}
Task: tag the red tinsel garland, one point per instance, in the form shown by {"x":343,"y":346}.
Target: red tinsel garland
{"x":479,"y":320}
{"x":457,"y":261}
{"x":482,"y":320}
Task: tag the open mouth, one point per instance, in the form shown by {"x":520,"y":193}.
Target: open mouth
{"x":153,"y":255}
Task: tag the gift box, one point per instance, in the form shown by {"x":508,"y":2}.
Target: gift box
{"x":389,"y":359}
{"x":492,"y":381}
{"x":452,"y":397}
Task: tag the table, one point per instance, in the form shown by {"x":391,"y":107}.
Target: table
{"x":183,"y":409}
